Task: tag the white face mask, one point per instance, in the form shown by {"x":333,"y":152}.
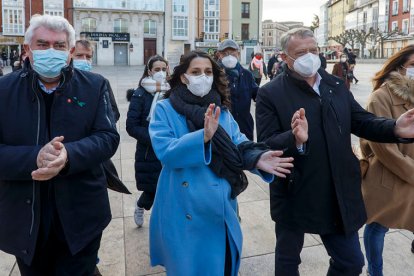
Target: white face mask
{"x":199,"y":85}
{"x":307,"y":65}
{"x":279,"y":59}
{"x":229,"y":61}
{"x":160,"y":76}
{"x":343,"y":59}
{"x":409,"y":72}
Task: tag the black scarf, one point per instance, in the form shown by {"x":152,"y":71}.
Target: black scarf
{"x":227,"y":159}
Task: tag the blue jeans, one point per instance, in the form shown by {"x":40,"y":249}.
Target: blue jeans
{"x":374,"y":244}
{"x":345,"y":252}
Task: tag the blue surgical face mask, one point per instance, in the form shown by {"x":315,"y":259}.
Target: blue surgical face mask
{"x":48,"y":63}
{"x":82,"y":64}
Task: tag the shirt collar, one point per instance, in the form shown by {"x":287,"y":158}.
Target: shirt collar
{"x":47,"y":91}
{"x":317,"y":83}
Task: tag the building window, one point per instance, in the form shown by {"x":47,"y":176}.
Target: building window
{"x":245,"y":10}
{"x":180,"y":6}
{"x":211,"y":25}
{"x":412,"y":22}
{"x":88,"y":24}
{"x":140,"y":5}
{"x":13,"y":21}
{"x":395,"y":7}
{"x":53,"y":7}
{"x":180,"y":26}
{"x":394,"y":25}
{"x":405,"y":26}
{"x":150,"y":27}
{"x":406,"y":5}
{"x":120,"y":25}
{"x":245,"y":32}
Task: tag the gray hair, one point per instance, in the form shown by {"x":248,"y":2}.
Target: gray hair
{"x":298,"y":32}
{"x":54,"y":23}
{"x":85,"y":43}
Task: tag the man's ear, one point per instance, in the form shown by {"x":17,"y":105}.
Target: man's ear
{"x":284,"y":56}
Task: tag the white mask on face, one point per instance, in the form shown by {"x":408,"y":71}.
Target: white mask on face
{"x":279,"y":59}
{"x":199,"y":85}
{"x":229,"y":61}
{"x":159,"y":76}
{"x":307,"y":65}
{"x":409,"y":72}
{"x":343,"y":59}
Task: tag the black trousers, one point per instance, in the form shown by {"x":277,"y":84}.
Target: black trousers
{"x":146,"y":200}
{"x":345,"y":252}
{"x":54,"y":259}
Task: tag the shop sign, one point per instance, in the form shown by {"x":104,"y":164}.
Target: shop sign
{"x":114,"y":36}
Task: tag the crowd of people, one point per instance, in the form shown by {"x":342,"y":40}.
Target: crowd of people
{"x":195,"y":138}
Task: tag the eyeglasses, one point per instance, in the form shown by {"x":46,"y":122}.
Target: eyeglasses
{"x":225,"y":54}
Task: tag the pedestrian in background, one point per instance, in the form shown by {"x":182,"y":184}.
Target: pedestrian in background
{"x":389,"y":199}
{"x":270,"y":64}
{"x":322,"y":58}
{"x":278,"y":66}
{"x":194,"y":229}
{"x":258,"y":68}
{"x":151,"y":89}
{"x":4,"y":58}
{"x":341,"y":70}
{"x":243,"y":88}
{"x":352,"y":62}
{"x":323,"y":193}
{"x":56,"y":129}
{"x":1,"y":67}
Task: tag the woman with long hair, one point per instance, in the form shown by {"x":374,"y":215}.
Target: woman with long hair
{"x":388,"y":183}
{"x":151,"y":88}
{"x":194,"y":229}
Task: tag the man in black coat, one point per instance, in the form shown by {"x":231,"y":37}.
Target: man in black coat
{"x":323,"y":194}
{"x":56,"y":129}
{"x":243,"y":88}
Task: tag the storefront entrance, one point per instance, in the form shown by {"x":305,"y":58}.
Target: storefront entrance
{"x":120,"y":54}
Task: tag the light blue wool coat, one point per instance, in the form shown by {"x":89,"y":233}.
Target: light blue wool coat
{"x":193,"y":211}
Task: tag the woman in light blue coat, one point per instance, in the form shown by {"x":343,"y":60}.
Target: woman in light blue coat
{"x":194,"y":228}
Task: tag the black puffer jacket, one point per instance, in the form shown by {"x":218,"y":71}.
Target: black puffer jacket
{"x":323,"y":193}
{"x":147,"y":166}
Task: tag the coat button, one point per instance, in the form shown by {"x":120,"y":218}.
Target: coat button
{"x":28,"y":201}
{"x":25,"y":252}
{"x":189,"y":217}
{"x":185,"y":184}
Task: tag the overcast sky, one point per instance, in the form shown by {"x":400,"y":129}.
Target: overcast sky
{"x":291,"y":10}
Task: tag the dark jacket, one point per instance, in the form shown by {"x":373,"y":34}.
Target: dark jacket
{"x":323,"y":193}
{"x":243,"y":89}
{"x":270,"y":64}
{"x":323,"y":61}
{"x":112,"y":101}
{"x":81,"y":197}
{"x":147,"y":166}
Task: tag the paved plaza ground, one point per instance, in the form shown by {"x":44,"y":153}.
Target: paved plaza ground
{"x":124,"y":247}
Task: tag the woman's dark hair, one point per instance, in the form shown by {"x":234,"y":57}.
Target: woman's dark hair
{"x":148,"y":66}
{"x":394,"y":63}
{"x":220,"y":82}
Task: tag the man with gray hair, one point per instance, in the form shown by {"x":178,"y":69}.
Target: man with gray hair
{"x":322,"y":195}
{"x":56,"y":129}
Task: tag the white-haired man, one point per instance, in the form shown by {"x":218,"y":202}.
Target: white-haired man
{"x":323,"y":193}
{"x":56,"y":129}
